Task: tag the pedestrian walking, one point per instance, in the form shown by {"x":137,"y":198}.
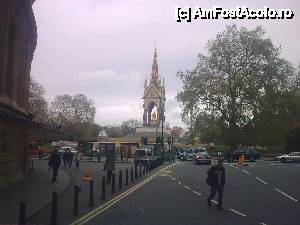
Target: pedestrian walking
{"x":109,"y":166}
{"x":65,"y":158}
{"x":216,"y":180}
{"x":54,"y":163}
{"x":70,"y":158}
{"x":77,"y":160}
{"x":121,"y":155}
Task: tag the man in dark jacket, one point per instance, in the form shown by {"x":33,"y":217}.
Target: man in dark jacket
{"x":216,"y":177}
{"x":54,"y":162}
{"x":65,"y":158}
{"x":70,"y":158}
{"x":109,"y":165}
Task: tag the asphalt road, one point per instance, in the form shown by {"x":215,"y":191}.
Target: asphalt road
{"x":266,"y":193}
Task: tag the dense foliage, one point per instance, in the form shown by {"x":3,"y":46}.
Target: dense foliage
{"x":241,"y":92}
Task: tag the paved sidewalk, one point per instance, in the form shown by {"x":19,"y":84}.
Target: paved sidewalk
{"x":35,"y":190}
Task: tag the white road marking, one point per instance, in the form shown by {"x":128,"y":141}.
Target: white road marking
{"x":241,"y":214}
{"x":214,"y":201}
{"x":173,"y":178}
{"x":286,"y":195}
{"x":179,"y":182}
{"x":263,"y":223}
{"x":245,"y":171}
{"x":261,"y":180}
{"x":276,"y":164}
{"x":197,"y":193}
{"x":187,"y":187}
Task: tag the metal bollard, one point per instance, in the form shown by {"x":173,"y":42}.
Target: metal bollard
{"x":54,"y":208}
{"x":103,"y":188}
{"x":77,"y":189}
{"x":140,"y":170}
{"x":126,"y":174}
{"x":135,"y":172}
{"x":120,"y":179}
{"x":22,"y":213}
{"x":131,"y":174}
{"x":113,"y":183}
{"x":144,"y":169}
{"x":147,"y":168}
{"x":91,"y":200}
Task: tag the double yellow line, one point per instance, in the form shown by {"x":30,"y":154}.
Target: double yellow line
{"x":113,"y":201}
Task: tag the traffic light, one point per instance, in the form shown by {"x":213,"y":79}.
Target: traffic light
{"x":173,"y":140}
{"x":158,"y":139}
{"x":169,"y":140}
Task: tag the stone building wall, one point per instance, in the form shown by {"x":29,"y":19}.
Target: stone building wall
{"x":18,"y":37}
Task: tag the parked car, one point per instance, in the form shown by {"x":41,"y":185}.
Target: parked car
{"x":189,"y":154}
{"x":292,"y":157}
{"x":180,"y":154}
{"x":63,"y":149}
{"x":250,"y":154}
{"x":143,"y":156}
{"x":202,"y":157}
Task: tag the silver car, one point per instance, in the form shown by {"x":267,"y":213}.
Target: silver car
{"x":292,"y":157}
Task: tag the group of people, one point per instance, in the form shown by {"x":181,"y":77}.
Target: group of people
{"x":67,"y":158}
{"x":55,"y":161}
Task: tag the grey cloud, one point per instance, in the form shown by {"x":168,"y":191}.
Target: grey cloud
{"x":104,"y":48}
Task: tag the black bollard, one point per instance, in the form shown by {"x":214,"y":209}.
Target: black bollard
{"x":131,"y":174}
{"x":120,"y":179}
{"x":103,"y":188}
{"x":147,"y":168}
{"x":22,"y":213}
{"x":54,"y":208}
{"x":77,"y":189}
{"x":144,"y":169}
{"x":91,"y":200}
{"x":113,"y":184}
{"x":126,"y":174}
{"x":140,"y":170}
{"x":135,"y":172}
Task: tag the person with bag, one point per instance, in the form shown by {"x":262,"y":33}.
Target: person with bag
{"x":109,"y":166}
{"x":216,"y":180}
{"x":54,"y":162}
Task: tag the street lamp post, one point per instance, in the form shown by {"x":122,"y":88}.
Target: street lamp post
{"x":162,"y":132}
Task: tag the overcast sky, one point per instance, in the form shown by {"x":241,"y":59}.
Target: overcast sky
{"x":104,"y":48}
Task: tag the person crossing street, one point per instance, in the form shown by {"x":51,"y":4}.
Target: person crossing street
{"x":216,"y":180}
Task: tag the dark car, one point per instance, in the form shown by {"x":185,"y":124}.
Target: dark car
{"x":202,"y":157}
{"x":250,"y":154}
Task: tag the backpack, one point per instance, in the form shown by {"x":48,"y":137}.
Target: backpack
{"x":209,"y":180}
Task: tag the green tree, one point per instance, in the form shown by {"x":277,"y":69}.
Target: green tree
{"x":177,"y":132}
{"x":129,"y":126}
{"x":38,"y":105}
{"x":76,"y":114}
{"x":238,"y":87}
